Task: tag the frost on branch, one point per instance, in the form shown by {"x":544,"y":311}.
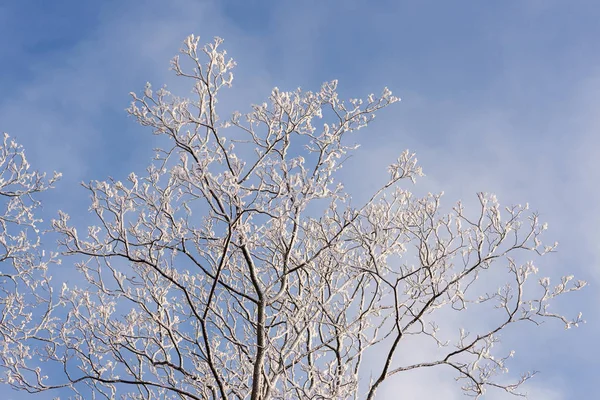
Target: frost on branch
{"x":24,"y":285}
{"x":238,"y":268}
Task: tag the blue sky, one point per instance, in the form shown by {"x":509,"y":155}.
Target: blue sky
{"x":496,"y":96}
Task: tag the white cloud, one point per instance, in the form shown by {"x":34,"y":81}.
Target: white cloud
{"x":521,"y":151}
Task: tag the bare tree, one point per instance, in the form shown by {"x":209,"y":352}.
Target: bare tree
{"x":240,"y":268}
{"x":25,"y":290}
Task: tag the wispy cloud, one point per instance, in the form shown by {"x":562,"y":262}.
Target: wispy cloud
{"x":495,"y":98}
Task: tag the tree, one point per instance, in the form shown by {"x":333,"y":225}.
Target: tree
{"x":24,"y":284}
{"x":240,"y":268}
